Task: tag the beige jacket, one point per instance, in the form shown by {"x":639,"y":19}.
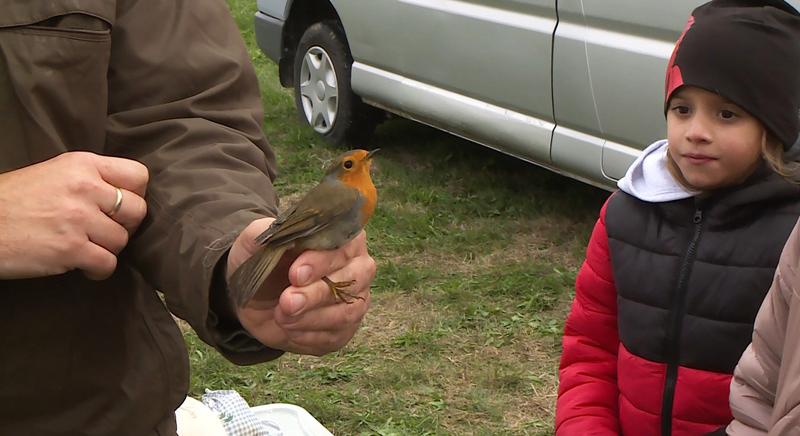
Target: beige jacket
{"x":168,"y":83}
{"x":765,"y":391}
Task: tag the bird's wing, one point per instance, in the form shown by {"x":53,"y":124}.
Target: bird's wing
{"x":317,"y":210}
{"x":266,"y":234}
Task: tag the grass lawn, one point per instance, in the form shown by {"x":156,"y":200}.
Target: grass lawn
{"x":477,"y":254}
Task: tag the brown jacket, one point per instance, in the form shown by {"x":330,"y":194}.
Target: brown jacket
{"x":168,"y":83}
{"x":765,"y":391}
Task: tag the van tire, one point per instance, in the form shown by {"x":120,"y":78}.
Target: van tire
{"x":323,"y":50}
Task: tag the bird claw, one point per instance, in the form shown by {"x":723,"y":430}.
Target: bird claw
{"x":338,"y":290}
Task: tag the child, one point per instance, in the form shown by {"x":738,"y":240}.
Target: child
{"x":765,"y":393}
{"x":682,"y":256}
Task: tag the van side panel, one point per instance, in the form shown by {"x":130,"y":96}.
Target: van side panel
{"x":609,"y":62}
{"x":495,"y":52}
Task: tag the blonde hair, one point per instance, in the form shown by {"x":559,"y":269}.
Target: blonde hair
{"x":772,"y":153}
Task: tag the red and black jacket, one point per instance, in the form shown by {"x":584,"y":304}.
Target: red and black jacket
{"x":664,"y":306}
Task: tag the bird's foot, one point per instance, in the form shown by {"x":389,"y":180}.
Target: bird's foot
{"x":339,"y":292}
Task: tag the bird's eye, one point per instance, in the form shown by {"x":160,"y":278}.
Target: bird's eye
{"x":348,"y":164}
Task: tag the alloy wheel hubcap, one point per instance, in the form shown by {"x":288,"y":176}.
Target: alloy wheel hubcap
{"x":319,"y":90}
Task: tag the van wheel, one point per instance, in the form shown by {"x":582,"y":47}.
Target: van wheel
{"x":322,"y":91}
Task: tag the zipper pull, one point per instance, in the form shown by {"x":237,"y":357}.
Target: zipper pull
{"x":698,"y":216}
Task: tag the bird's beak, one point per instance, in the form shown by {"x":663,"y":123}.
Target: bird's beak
{"x":372,"y":152}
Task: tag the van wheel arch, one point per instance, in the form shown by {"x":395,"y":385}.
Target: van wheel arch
{"x":302,"y":15}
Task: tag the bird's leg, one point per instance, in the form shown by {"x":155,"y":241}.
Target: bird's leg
{"x":338,"y":290}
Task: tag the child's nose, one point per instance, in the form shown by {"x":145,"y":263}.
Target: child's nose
{"x":698,"y":130}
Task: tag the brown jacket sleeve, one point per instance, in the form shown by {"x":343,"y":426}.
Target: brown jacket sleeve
{"x":759,"y":389}
{"x":184,"y":100}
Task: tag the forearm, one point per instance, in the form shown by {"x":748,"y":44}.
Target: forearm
{"x":187,"y":265}
{"x":189,"y":109}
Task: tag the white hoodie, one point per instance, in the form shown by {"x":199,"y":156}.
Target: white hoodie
{"x":649,"y":179}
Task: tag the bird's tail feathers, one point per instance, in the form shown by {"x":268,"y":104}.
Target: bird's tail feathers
{"x":249,"y":277}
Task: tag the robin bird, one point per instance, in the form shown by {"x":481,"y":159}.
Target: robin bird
{"x":327,"y":217}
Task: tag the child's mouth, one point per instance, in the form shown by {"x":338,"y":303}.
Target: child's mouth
{"x":698,"y":159}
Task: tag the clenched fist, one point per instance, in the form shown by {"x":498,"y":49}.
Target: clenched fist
{"x":74,"y":211}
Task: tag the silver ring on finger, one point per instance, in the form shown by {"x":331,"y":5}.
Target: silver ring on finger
{"x":117,"y":203}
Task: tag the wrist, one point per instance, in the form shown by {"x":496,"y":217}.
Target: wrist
{"x":219,"y":300}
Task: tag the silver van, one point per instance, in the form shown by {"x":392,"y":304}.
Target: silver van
{"x":575,"y":86}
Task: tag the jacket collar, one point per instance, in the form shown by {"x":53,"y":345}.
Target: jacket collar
{"x":762,"y":190}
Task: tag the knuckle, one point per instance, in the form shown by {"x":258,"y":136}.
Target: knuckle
{"x":105,"y":264}
{"x":355,"y":316}
{"x":351,"y":317}
{"x":98,"y":264}
{"x":77,"y":159}
{"x":83,"y":185}
{"x":77,"y":242}
{"x":71,"y":243}
{"x":339,"y":341}
{"x":71,"y":156}
{"x":139,"y":209}
{"x":122,"y":240}
{"x":139,"y":173}
{"x":328,"y":345}
{"x":320,"y":343}
{"x":74,"y":214}
{"x":371,"y":267}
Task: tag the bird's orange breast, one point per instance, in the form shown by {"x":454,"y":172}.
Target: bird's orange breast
{"x":371,"y":199}
{"x":362,"y":181}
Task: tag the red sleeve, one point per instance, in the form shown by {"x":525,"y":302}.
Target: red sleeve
{"x":587,"y":393}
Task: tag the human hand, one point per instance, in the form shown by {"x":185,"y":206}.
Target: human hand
{"x":294,"y":310}
{"x":58,"y":215}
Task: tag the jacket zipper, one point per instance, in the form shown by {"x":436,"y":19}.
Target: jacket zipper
{"x":676,"y":321}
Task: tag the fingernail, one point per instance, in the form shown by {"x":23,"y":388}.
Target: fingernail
{"x":296,"y":303}
{"x":303,"y":275}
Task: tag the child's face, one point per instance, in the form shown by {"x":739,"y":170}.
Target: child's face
{"x":713,"y":142}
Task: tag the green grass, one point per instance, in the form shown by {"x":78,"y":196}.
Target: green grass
{"x":477,"y":254}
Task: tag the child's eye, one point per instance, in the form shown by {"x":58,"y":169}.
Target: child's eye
{"x":727,"y":115}
{"x":680,"y":109}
